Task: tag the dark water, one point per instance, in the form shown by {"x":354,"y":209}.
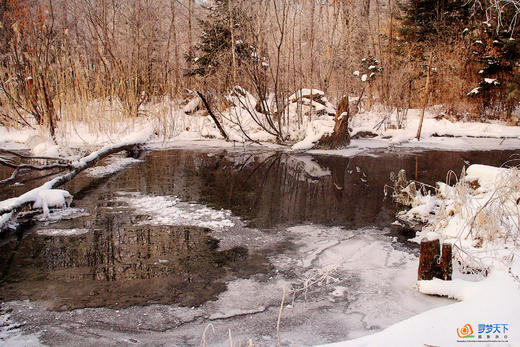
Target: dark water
{"x":119,"y":262}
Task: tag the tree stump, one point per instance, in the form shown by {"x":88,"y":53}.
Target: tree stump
{"x":340,"y":137}
{"x":433,"y":263}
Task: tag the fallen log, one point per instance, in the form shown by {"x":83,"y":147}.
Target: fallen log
{"x":217,"y":123}
{"x":38,"y":196}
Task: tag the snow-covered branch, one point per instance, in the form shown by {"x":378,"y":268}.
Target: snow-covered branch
{"x":496,"y":9}
{"x":47,"y":196}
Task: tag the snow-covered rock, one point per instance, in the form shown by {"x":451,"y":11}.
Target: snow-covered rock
{"x":51,"y":198}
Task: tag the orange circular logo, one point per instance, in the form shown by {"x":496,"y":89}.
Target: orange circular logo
{"x":465,"y":331}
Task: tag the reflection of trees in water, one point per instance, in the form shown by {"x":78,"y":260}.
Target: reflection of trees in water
{"x":281,"y":188}
{"x":121,"y":263}
{"x":118,"y":264}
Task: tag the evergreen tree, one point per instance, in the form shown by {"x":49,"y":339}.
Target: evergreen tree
{"x":497,"y":54}
{"x":213,"y":53}
{"x":426,"y":20}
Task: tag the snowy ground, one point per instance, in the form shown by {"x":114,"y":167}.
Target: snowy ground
{"x":178,"y":129}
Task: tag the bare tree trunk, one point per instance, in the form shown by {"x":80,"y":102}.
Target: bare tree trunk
{"x":190,"y":40}
{"x":311,"y":51}
{"x":232,"y":31}
{"x":340,"y":136}
{"x":425,"y":100}
{"x":217,"y":123}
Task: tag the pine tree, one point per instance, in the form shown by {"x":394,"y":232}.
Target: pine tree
{"x":497,"y":53}
{"x":427,"y":20}
{"x":214,"y":51}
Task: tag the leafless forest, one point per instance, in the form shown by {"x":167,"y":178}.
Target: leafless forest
{"x":58,"y":58}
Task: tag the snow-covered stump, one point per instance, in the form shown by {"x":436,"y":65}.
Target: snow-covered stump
{"x":432,"y":262}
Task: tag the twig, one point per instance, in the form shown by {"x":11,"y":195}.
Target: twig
{"x":279,"y":317}
{"x":425,"y":101}
{"x":203,"y":341}
{"x":20,"y":167}
{"x":30,"y":157}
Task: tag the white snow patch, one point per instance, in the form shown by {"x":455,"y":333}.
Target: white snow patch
{"x":315,"y":131}
{"x":491,"y":81}
{"x":170,"y":210}
{"x":45,"y":149}
{"x":62,"y":232}
{"x":11,"y":334}
{"x":474,"y":91}
{"x":51,"y":198}
{"x":114,"y":164}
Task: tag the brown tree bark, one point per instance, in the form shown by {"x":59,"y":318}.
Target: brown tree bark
{"x":433,"y":264}
{"x":340,"y":137}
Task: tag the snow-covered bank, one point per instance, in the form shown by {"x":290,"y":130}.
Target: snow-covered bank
{"x":479,"y":215}
{"x":487,"y":316}
{"x":170,"y":127}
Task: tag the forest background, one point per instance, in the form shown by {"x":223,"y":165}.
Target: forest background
{"x":68,"y":60}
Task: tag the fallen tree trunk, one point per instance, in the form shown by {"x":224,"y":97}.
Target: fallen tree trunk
{"x":217,"y":123}
{"x":10,"y":207}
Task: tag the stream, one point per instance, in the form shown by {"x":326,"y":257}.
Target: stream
{"x":187,"y":229}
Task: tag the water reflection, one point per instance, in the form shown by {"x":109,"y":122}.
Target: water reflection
{"x":118,"y":264}
{"x":270,"y":189}
{"x":121,"y":262}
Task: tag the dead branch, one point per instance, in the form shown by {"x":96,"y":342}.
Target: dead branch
{"x":30,"y":157}
{"x":14,"y":205}
{"x":21,"y":167}
{"x":217,"y":123}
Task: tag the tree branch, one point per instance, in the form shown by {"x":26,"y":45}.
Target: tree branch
{"x":222,"y":132}
{"x":13,"y":205}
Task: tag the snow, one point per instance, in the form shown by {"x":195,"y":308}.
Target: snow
{"x":41,"y":197}
{"x":46,"y":150}
{"x":305,"y":93}
{"x":495,"y":300}
{"x":114,"y":164}
{"x":168,"y":210}
{"x":314,"y":132}
{"x":384,"y":297}
{"x":11,"y":333}
{"x":487,"y":176}
{"x":48,"y":198}
{"x":491,"y":81}
{"x":62,"y":232}
{"x":491,"y":300}
{"x":62,"y":214}
{"x":193,"y":105}
{"x":167,"y":125}
{"x":474,"y":91}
